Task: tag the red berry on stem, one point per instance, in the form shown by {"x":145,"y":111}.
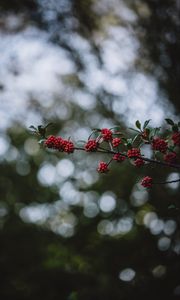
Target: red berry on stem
{"x":146,"y":182}
{"x":176,"y":138}
{"x":116,"y":142}
{"x":134,"y":153}
{"x":106,"y":134}
{"x":139,"y":162}
{"x":68,"y":146}
{"x":103,"y":167}
{"x":119,"y":157}
{"x":159,"y":145}
{"x":170,"y":157}
{"x":50,"y":142}
{"x":91,"y":146}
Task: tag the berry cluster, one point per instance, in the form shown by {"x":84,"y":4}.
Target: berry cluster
{"x":170,"y":157}
{"x":68,"y":146}
{"x":53,"y":142}
{"x":119,"y":148}
{"x":106,"y":134}
{"x":147,"y":182}
{"x":102,"y":167}
{"x":139,"y":162}
{"x":159,"y":144}
{"x":91,"y":146}
{"x":119,"y":157}
{"x":176,"y":138}
{"x":116,"y":142}
{"x":59,"y":144}
{"x":134,"y":153}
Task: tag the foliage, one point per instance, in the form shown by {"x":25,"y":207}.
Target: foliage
{"x":118,"y":147}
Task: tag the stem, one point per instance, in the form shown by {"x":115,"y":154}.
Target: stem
{"x":162,"y":163}
{"x":177,"y":180}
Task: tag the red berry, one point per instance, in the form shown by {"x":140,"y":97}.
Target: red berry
{"x":134,"y":153}
{"x":119,"y":157}
{"x":176,"y":138}
{"x":170,"y":157}
{"x":54,"y":142}
{"x":59,"y":144}
{"x":50,"y":142}
{"x":106,"y":134}
{"x":139,"y":162}
{"x":146,"y":182}
{"x":159,"y":145}
{"x":91,"y":146}
{"x":68,"y":146}
{"x":116,"y":142}
{"x":103,"y":167}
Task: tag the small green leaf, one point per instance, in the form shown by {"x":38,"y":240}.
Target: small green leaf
{"x":172,"y":206}
{"x":171,"y":148}
{"x":146,"y":133}
{"x":115,"y":127}
{"x":129,"y":145}
{"x":154,"y":131}
{"x":138,"y":124}
{"x":135,"y":130}
{"x":96,"y":129}
{"x":175,"y":128}
{"x":129,"y":141}
{"x":135,"y":137}
{"x":146,"y":123}
{"x":169,"y":121}
{"x":124,"y":139}
{"x":32,"y":127}
{"x":49,"y":124}
{"x":41,"y":141}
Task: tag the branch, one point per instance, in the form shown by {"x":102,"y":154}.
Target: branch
{"x":107,"y":151}
{"x":165,"y":182}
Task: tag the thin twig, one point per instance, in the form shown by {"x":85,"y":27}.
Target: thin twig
{"x":177,"y":180}
{"x":107,"y":151}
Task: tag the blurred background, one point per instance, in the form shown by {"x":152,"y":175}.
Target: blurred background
{"x":66,"y":232}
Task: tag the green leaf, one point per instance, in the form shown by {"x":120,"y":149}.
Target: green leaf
{"x":96,"y":129}
{"x":134,"y":129}
{"x":146,"y":123}
{"x":138,"y":124}
{"x":171,"y":148}
{"x":169,"y":121}
{"x":178,"y":124}
{"x":73,"y":296}
{"x":154,"y":131}
{"x":129,"y":141}
{"x":115,"y":127}
{"x":175,"y":128}
{"x":41,"y":141}
{"x":129,"y":145}
{"x":49,"y":124}
{"x":147,"y":131}
{"x":32,"y":127}
{"x":94,"y":133}
{"x":172,"y":206}
{"x":124,"y":139}
{"x":135,"y":137}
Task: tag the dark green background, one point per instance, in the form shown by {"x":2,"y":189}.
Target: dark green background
{"x":36,"y":263}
